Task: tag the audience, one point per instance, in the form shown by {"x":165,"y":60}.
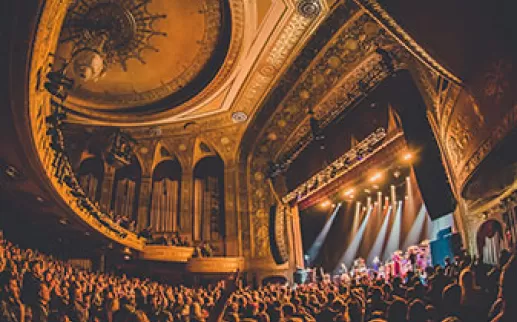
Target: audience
{"x":36,"y":287}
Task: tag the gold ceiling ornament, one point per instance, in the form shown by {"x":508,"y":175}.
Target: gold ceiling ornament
{"x":239,"y":117}
{"x":105,"y":33}
{"x":309,"y":8}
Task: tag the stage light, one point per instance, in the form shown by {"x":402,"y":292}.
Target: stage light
{"x":396,"y":174}
{"x":376,"y":177}
{"x":333,"y":205}
{"x":315,"y":248}
{"x":349,"y":192}
{"x":367,"y":190}
{"x":407,"y":156}
{"x":325,"y":204}
{"x":375,"y":186}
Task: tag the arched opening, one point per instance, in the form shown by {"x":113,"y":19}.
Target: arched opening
{"x":393,"y":193}
{"x":91,"y":174}
{"x":208,"y":221}
{"x":490,"y":241}
{"x":126,"y":190}
{"x":165,"y":197}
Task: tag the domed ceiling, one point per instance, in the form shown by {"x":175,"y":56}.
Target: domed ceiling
{"x":153,"y":55}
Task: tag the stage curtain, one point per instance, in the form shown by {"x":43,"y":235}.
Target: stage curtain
{"x":89,"y":184}
{"x":198,"y":208}
{"x":207,"y":199}
{"x":212,"y":208}
{"x":125,"y":197}
{"x":164,"y":205}
{"x":492,"y":249}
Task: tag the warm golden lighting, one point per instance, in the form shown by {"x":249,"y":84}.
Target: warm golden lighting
{"x":349,"y":192}
{"x":376,"y":177}
{"x":325,"y":204}
{"x":407,"y":156}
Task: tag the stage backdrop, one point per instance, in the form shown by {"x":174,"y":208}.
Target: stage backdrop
{"x":373,"y":224}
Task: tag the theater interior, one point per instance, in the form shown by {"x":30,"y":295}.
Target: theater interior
{"x":189,"y":142}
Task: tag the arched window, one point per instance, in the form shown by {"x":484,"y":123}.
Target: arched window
{"x":91,"y":174}
{"x":208,"y":223}
{"x":126,"y":190}
{"x":165,"y":199}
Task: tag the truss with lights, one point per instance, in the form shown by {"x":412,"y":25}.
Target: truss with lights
{"x":373,"y":143}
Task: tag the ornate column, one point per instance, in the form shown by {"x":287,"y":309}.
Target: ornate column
{"x":107,"y":187}
{"x":144,"y":201}
{"x":230,"y":211}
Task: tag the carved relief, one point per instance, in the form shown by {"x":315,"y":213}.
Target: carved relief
{"x":496,"y":79}
{"x":459,"y":138}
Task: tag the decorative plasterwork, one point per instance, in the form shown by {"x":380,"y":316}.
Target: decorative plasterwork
{"x":506,"y":125}
{"x":158,"y":109}
{"x":214,"y":265}
{"x":351,"y":51}
{"x":265,"y":54}
{"x":39,"y":104}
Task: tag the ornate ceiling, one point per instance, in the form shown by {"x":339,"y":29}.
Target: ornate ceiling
{"x":160,"y":51}
{"x":205,"y":62}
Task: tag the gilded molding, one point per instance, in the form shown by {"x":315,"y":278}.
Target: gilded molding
{"x":342,"y":56}
{"x":211,"y":265}
{"x":507,"y":124}
{"x":45,"y":42}
{"x":166,"y":253}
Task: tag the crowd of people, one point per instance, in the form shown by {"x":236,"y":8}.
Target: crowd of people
{"x":36,"y":287}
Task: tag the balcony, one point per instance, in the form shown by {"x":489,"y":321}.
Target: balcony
{"x":177,"y":254}
{"x":215,"y":265}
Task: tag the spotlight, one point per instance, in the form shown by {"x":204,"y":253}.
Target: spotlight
{"x":375,"y":186}
{"x":396,"y":174}
{"x":407,"y":156}
{"x":367,"y":190}
{"x":376,"y":177}
{"x":349,"y":192}
{"x":325,"y":204}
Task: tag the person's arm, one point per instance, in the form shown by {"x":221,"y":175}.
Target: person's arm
{"x":230,"y":287}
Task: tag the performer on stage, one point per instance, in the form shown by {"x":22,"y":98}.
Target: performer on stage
{"x":376,"y":263}
{"x":397,"y":263}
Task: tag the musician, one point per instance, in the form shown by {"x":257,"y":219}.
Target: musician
{"x":397,"y":263}
{"x":376,"y":263}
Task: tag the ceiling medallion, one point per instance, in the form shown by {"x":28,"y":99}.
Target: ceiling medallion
{"x":309,"y":8}
{"x":239,"y":117}
{"x":105,"y":33}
